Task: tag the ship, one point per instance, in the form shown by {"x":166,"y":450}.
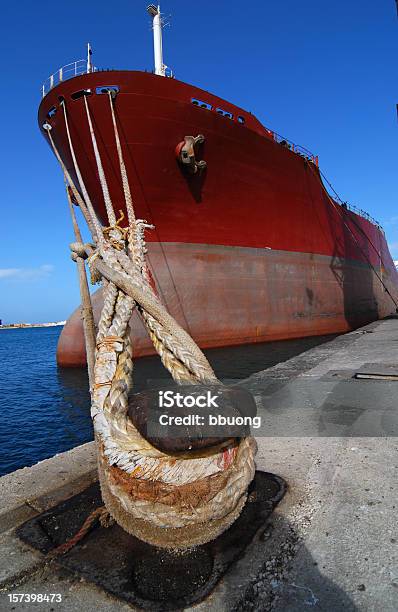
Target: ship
{"x":249,"y":242}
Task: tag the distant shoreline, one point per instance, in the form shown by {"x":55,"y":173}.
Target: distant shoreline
{"x":30,"y":325}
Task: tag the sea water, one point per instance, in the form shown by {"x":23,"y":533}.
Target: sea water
{"x":45,"y":410}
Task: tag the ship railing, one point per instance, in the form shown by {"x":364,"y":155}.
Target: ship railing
{"x":361,"y":213}
{"x":298,"y":149}
{"x":358,"y":211}
{"x":66,"y":72}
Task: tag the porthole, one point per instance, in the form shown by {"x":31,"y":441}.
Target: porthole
{"x":224,"y":113}
{"x":81,"y":93}
{"x":201,"y":104}
{"x":104,"y":89}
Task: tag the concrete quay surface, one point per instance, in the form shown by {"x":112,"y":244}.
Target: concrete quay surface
{"x":330,"y":545}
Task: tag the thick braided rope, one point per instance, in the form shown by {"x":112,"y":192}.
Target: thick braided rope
{"x":103,"y":332}
{"x":146,"y":465}
{"x":114,"y":369}
{"x":119,"y":435}
{"x":112,"y":387}
{"x":130,"y":439}
{"x":137,"y":247}
{"x":223,"y":502}
{"x":181,"y":374}
{"x":132,"y":452}
{"x":126,"y":187}
{"x":125,"y":447}
{"x":121,"y":383}
{"x":112,"y":393}
{"x":187,"y":352}
{"x":116,"y":403}
{"x":118,"y":427}
{"x":123,"y":310}
{"x":168,"y":350}
{"x":86,"y":197}
{"x":109,"y":295}
{"x":115,"y":398}
{"x":137,"y":226}
{"x":104,"y":185}
{"x":171,"y":352}
{"x":176,"y":357}
{"x":152,"y":466}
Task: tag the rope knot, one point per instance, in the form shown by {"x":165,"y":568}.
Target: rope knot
{"x":95,"y":276}
{"x":115,"y":234}
{"x":78,"y":249}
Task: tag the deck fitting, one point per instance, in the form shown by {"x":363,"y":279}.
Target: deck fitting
{"x":138,"y":573}
{"x":377,"y":371}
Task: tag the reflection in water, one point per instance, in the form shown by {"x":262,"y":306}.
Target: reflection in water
{"x":75,"y":405}
{"x":74,"y":385}
{"x":46,"y":410}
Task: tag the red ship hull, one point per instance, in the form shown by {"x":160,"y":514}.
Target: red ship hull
{"x":252,"y":249}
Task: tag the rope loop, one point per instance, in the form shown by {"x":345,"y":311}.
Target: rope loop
{"x":95,"y":276}
{"x":140,"y":484}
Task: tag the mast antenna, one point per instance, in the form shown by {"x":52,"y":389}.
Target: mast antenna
{"x":154,"y":12}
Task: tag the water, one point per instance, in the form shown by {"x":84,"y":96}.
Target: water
{"x":46,"y":410}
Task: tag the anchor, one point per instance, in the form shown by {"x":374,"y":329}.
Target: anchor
{"x":186,"y":156}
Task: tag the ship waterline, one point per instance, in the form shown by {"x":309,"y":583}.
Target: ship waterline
{"x":235,"y":295}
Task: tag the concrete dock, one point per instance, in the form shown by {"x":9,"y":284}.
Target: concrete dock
{"x":330,"y":545}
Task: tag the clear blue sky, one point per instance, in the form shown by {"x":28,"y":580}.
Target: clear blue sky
{"x":320,"y":73}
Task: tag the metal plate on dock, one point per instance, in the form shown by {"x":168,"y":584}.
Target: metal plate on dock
{"x":377,"y":371}
{"x":138,"y":573}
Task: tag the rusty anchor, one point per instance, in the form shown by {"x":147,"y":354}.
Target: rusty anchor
{"x":186,"y":154}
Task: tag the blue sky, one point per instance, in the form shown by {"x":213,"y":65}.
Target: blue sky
{"x":321,"y":73}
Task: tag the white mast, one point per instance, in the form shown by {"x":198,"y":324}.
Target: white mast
{"x":154,"y":12}
{"x":89,"y":54}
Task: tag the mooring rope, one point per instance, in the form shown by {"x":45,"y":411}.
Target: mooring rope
{"x":125,"y":182}
{"x":101,"y":173}
{"x":86,"y":307}
{"x":126,"y":459}
{"x":99,"y":514}
{"x":86,"y":198}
